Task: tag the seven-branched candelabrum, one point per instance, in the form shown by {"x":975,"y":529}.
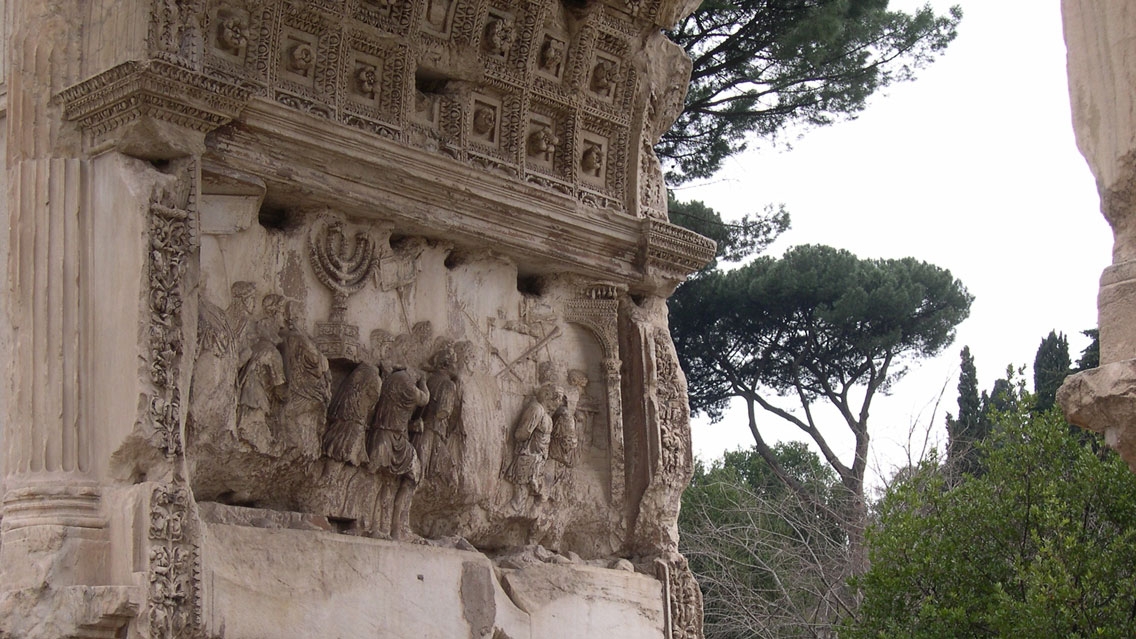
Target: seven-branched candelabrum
{"x":341,"y":267}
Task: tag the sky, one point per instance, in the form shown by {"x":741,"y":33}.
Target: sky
{"x":972,"y":167}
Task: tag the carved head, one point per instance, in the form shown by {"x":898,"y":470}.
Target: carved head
{"x":577,"y":378}
{"x":542,"y":143}
{"x":294,"y":317}
{"x":550,"y":396}
{"x":603,"y":76}
{"x":402,"y":350}
{"x":591,"y":160}
{"x":463,"y":350}
{"x":422,"y":331}
{"x":484,"y":119}
{"x":272,"y":304}
{"x":551,"y":55}
{"x":244,"y":296}
{"x":444,"y":357}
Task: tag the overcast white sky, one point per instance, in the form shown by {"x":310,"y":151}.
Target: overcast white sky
{"x":972,"y":167}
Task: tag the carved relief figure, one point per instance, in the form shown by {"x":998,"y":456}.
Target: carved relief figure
{"x":261,"y":381}
{"x":551,"y":58}
{"x":350,"y":411}
{"x":238,"y":316}
{"x":542,"y":143}
{"x":221,"y":338}
{"x":389,"y":448}
{"x":309,"y":388}
{"x":498,"y":36}
{"x":232,"y":27}
{"x":437,"y":417}
{"x":604,"y":77}
{"x":565,"y":437}
{"x":484,"y":121}
{"x":531,"y":438}
{"x":592,"y":160}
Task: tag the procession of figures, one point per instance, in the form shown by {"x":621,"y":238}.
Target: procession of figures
{"x":262,"y":385}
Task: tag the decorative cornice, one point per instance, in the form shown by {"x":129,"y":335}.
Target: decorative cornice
{"x":152,"y":89}
{"x":672,"y":252}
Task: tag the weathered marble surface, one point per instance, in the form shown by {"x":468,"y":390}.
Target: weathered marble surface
{"x":286,"y":280}
{"x":1101,"y":41}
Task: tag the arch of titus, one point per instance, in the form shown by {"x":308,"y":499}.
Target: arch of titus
{"x":1101,"y":40}
{"x":342,"y":318}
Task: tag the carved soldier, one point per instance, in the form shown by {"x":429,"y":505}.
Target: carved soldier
{"x":389,"y":449}
{"x":531,"y":438}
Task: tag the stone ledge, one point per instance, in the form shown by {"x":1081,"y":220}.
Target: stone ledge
{"x":277,"y":583}
{"x":1103,"y":400}
{"x":81,"y":612}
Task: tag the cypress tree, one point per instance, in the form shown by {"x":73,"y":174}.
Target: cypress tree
{"x":1050,"y":367}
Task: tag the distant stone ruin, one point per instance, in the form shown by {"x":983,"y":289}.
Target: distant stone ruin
{"x":342,"y":318}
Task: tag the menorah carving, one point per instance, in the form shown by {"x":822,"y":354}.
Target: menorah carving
{"x":344,"y":267}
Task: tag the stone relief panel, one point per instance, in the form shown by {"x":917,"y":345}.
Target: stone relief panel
{"x":444,"y":395}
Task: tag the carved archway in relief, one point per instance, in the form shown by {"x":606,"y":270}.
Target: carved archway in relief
{"x":598,"y":311}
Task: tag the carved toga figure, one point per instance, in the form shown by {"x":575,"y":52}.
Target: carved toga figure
{"x":349,"y":414}
{"x":437,"y":463}
{"x":309,"y":388}
{"x":261,"y":382}
{"x":391,"y":453}
{"x":531,"y":438}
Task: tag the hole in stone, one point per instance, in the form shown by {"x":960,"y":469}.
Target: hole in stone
{"x":275,"y":218}
{"x":430,"y":83}
{"x":530,"y":285}
{"x":342,"y":524}
{"x":161,"y":165}
{"x":455,"y":259}
{"x":639,"y":299}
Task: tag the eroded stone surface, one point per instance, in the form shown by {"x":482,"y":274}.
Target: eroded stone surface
{"x":1103,"y":400}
